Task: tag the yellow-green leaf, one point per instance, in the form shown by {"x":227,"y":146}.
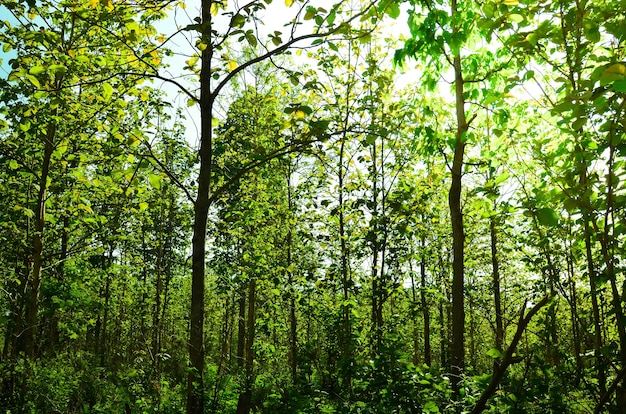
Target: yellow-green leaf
{"x":57,"y":69}
{"x":616,"y":69}
{"x":36,"y":70}
{"x":34,"y":81}
{"x":107,"y":91}
{"x":155,"y":181}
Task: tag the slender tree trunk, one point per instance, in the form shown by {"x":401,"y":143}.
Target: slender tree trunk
{"x":574,"y":312}
{"x":202,"y":204}
{"x":591,"y":274}
{"x":425,"y":309}
{"x":444,"y":314}
{"x":497,"y":301}
{"x":244,"y":404}
{"x":293,"y":322}
{"x":60,"y":275}
{"x":597,"y":321}
{"x":458,"y":236}
{"x":241,"y":327}
{"x":102,"y":337}
{"x":443,"y":337}
{"x":34,"y":282}
{"x":345,"y":336}
{"x":374,"y":274}
{"x":156,"y":310}
{"x":413,"y":314}
{"x":607,"y":240}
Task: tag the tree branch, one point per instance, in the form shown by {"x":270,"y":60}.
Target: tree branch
{"x":286,"y":46}
{"x":508,"y":357}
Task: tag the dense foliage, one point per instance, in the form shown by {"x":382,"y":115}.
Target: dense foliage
{"x":353,"y":207}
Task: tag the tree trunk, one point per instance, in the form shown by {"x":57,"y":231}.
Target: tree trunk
{"x":241,"y":326}
{"x":458,"y":237}
{"x":293,"y":323}
{"x":495,"y":265}
{"x":607,"y":241}
{"x":202,"y":204}
{"x":597,"y":321}
{"x":102,"y":336}
{"x":244,"y":403}
{"x":345,"y":336}
{"x":576,"y":341}
{"x":34,"y":282}
{"x":425,"y":309}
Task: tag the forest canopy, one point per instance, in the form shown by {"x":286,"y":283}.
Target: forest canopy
{"x":311,"y":206}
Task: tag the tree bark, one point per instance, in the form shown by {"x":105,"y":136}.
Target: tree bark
{"x":244,"y":403}
{"x":241,"y":327}
{"x":345,"y":336}
{"x":202,"y":204}
{"x":34,"y":282}
{"x":293,"y":322}
{"x":597,"y":321}
{"x":497,"y":301}
{"x":425,"y":309}
{"x":458,"y":236}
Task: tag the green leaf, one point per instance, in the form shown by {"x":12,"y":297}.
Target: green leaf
{"x":430,"y":407}
{"x":251,"y":38}
{"x":579,"y":123}
{"x":57,"y":69}
{"x":366,"y":38}
{"x":620,"y":86}
{"x":494,"y":353}
{"x":238,"y":20}
{"x":34,"y":81}
{"x":36,"y":70}
{"x":25,"y":126}
{"x":107,"y":91}
{"x":331,"y":17}
{"x":155,"y":181}
{"x":501,"y":178}
{"x":393,"y":10}
{"x":489,"y":9}
{"x":6,"y":48}
{"x":547,"y":217}
{"x":310,"y":13}
{"x":13,"y":165}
